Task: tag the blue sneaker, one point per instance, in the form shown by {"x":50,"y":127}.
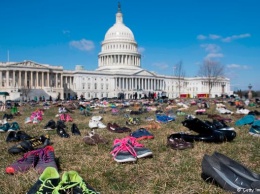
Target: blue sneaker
{"x":4,"y":127}
{"x":14,"y":127}
{"x":142,"y":134}
{"x":164,"y":118}
{"x":255,"y":128}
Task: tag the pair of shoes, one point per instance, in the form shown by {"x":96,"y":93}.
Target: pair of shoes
{"x":38,"y":159}
{"x":129,"y":150}
{"x":65,"y":117}
{"x":133,"y":121}
{"x":14,"y":126}
{"x":178,"y":143}
{"x":95,"y":122}
{"x":29,"y":145}
{"x":17,"y":136}
{"x":50,"y":182}
{"x":113,"y":127}
{"x":93,"y":139}
{"x":141,"y":134}
{"x":229,"y":174}
{"x":216,"y":131}
{"x":8,"y":116}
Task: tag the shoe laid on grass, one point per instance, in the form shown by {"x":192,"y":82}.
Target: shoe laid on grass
{"x":123,"y":151}
{"x":29,"y":145}
{"x":93,"y":124}
{"x":51,"y":125}
{"x":207,"y":128}
{"x":28,"y":161}
{"x":117,"y":129}
{"x":213,"y":169}
{"x":237,"y":167}
{"x":141,"y":134}
{"x":178,"y":143}
{"x":46,"y":159}
{"x":47,"y":183}
{"x":75,"y":130}
{"x":14,"y":127}
{"x":14,"y":136}
{"x":94,"y":139}
{"x":255,"y":129}
{"x":62,"y":132}
{"x":5,"y":127}
{"x":141,"y":151}
{"x":71,"y":182}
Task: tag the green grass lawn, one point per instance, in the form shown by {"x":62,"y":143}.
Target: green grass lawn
{"x":168,"y":171}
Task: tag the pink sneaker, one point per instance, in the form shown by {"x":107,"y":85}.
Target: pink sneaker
{"x":123,"y":151}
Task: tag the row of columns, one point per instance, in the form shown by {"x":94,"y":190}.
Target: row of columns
{"x":139,"y":83}
{"x":119,"y":60}
{"x":68,"y":80}
{"x":18,"y":78}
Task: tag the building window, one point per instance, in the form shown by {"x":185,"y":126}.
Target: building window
{"x":83,"y":86}
{"x":95,"y":86}
{"x":88,"y":86}
{"x":102,"y":85}
{"x":106,"y":86}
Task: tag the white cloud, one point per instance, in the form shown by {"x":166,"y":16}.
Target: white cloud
{"x":236,"y":66}
{"x":161,"y":65}
{"x":214,"y":36}
{"x":211,"y":48}
{"x":141,"y":49}
{"x":201,"y":37}
{"x":83,"y":44}
{"x":214,"y":55}
{"x":66,"y":32}
{"x":226,"y":39}
{"x":235,"y":37}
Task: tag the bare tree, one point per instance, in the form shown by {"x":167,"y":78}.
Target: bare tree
{"x":179,"y":73}
{"x":213,"y":72}
{"x":25,"y":91}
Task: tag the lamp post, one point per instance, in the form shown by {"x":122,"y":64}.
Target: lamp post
{"x":250,"y":91}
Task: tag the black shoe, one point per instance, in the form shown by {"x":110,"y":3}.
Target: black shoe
{"x":211,"y":138}
{"x":237,"y":167}
{"x":229,"y":180}
{"x":208,"y":128}
{"x":75,"y":129}
{"x":28,"y":145}
{"x":62,"y":133}
{"x":47,"y":182}
{"x":51,"y":125}
{"x":14,"y":136}
{"x":61,"y":124}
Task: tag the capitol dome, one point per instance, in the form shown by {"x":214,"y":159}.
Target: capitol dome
{"x":119,"y":31}
{"x":119,"y":50}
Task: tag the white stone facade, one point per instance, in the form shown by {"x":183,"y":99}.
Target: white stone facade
{"x":119,"y":71}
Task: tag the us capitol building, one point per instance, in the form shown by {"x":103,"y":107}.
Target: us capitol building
{"x":119,"y":71}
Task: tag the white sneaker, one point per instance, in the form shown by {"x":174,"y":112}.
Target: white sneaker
{"x":93,"y":124}
{"x":101,"y":125}
{"x":96,"y":118}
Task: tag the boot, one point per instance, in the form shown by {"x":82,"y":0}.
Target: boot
{"x":75,"y":129}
